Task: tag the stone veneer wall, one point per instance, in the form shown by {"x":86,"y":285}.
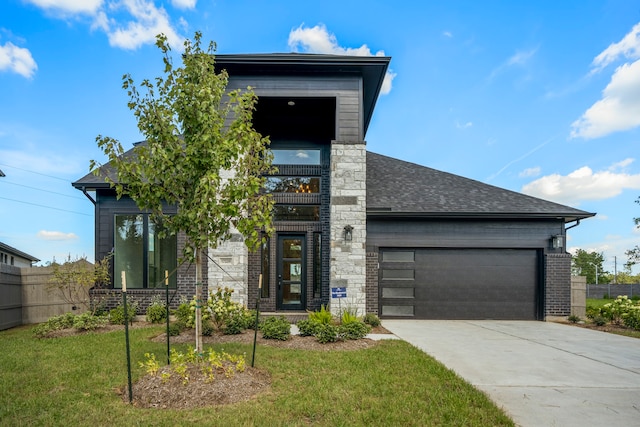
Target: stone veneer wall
{"x":557,"y":284}
{"x":348,"y":207}
{"x":228,"y":268}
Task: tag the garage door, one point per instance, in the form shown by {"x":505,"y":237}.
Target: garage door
{"x":459,"y":283}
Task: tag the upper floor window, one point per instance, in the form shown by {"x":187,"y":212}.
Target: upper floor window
{"x":306,"y":156}
{"x":292,"y":184}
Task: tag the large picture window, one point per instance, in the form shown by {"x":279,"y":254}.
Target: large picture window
{"x":141,"y":254}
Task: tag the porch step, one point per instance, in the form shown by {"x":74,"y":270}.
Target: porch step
{"x":291,"y":316}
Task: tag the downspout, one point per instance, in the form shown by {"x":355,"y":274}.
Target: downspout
{"x":84,"y":191}
{"x":574,"y":225}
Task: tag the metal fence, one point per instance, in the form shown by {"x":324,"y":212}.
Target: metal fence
{"x":612,"y":290}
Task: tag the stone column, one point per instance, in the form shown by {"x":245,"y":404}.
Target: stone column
{"x":348,"y":209}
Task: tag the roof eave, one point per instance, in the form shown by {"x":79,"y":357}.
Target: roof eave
{"x":565,"y":216}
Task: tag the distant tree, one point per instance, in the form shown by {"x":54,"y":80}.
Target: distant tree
{"x":584,"y":263}
{"x":633,"y":255}
{"x":73,"y":279}
{"x":202,"y":155}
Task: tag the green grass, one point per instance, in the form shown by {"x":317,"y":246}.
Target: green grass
{"x":72,"y":381}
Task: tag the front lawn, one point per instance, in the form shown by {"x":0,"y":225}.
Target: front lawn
{"x":74,"y":381}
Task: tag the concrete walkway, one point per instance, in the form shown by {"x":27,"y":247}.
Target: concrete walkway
{"x":540,"y":373}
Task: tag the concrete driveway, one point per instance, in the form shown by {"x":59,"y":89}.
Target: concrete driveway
{"x":540,"y":373}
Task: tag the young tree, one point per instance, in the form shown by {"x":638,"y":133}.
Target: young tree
{"x":73,"y":280}
{"x":201,"y":155}
{"x":587,"y":263}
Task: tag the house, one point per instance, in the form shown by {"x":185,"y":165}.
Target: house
{"x":12,"y":256}
{"x":354,"y":228}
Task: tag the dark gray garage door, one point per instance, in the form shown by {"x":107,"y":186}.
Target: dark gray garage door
{"x":459,"y":283}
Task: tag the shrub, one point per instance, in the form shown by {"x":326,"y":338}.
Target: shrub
{"x":573,"y":318}
{"x":89,"y":322}
{"x":235,"y":324}
{"x":616,"y":310}
{"x":55,"y":323}
{"x":371,"y":319}
{"x":116,"y":316}
{"x":221,"y":308}
{"x":207,"y":328}
{"x":632,"y":318}
{"x":157,"y":310}
{"x":176,"y":328}
{"x":599,"y":320}
{"x":307,"y":327}
{"x":592,"y":312}
{"x":183,"y":312}
{"x":323,"y":316}
{"x":326,"y":333}
{"x":348,"y":317}
{"x":605,"y":296}
{"x":249,"y":319}
{"x":353,"y":330}
{"x":276,"y":328}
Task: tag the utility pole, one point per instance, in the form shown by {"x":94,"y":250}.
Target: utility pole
{"x":615,"y":270}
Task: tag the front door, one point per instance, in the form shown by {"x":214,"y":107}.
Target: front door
{"x":291,"y":274}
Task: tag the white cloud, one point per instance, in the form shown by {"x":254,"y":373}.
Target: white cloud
{"x":628,"y":47}
{"x":128,"y":24}
{"x":529,"y":172}
{"x":184,"y":4}
{"x":447,"y":34}
{"x":69,"y":6}
{"x":17,"y":59}
{"x":463,"y":125}
{"x":583,"y":184}
{"x":520,"y":59}
{"x":56,"y":235}
{"x":148,"y":22}
{"x":619,"y":108}
{"x":318,"y":40}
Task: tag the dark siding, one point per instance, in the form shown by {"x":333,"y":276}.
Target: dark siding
{"x":460,"y":233}
{"x":347,"y":91}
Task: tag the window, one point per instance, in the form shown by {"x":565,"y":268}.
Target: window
{"x":296,"y":157}
{"x":398,"y":256}
{"x":265,"y":253}
{"x":292,"y":184}
{"x":296,"y":213}
{"x":142,"y":254}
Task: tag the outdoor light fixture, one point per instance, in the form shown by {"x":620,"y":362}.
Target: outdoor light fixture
{"x":348,"y":233}
{"x":291,"y":103}
{"x":557,"y":241}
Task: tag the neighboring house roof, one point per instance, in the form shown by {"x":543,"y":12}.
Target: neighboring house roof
{"x":371,"y":68}
{"x":399,"y":188}
{"x":16,"y":252}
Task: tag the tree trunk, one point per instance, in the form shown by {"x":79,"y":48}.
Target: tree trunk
{"x":198,"y":302}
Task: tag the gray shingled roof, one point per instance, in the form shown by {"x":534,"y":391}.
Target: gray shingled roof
{"x":399,"y":188}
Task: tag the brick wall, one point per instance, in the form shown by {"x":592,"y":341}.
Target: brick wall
{"x":372,"y":282}
{"x":557,"y":284}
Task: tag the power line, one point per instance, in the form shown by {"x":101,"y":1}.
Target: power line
{"x":40,"y":189}
{"x":43,"y":206}
{"x":37,"y":173}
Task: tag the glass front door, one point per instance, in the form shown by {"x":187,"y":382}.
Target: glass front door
{"x":291,"y":272}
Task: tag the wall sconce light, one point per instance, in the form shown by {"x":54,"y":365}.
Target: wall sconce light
{"x":557,"y":241}
{"x":348,"y":233}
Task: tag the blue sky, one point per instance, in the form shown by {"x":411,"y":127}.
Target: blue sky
{"x":538,"y":97}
